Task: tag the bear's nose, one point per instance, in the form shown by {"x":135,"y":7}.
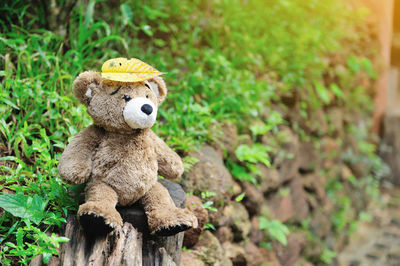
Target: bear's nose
{"x":147,"y":109}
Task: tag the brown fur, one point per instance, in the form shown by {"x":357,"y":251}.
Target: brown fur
{"x":120,"y":163}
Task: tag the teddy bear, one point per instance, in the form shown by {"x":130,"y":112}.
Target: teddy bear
{"x":120,"y":157}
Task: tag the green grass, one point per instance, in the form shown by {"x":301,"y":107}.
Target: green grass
{"x":237,"y":65}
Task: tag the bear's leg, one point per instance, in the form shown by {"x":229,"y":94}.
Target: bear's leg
{"x":163,"y":216}
{"x":98,"y":215}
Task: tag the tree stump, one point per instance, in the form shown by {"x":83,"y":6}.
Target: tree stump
{"x":130,"y":245}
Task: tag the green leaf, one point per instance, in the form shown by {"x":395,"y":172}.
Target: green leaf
{"x":159,"y":42}
{"x":23,"y":206}
{"x":208,"y":205}
{"x":322,"y":92}
{"x":263,"y":223}
{"x":259,"y":129}
{"x":254,"y":154}
{"x":336,"y":90}
{"x":327,"y":255}
{"x":147,"y":29}
{"x":8,"y":102}
{"x":126,"y":12}
{"x":210,"y":226}
{"x":89,"y":14}
{"x":20,"y":237}
{"x":353,"y":64}
{"x":367,"y":66}
{"x":275,"y":119}
{"x":207,"y":194}
{"x":46,"y":257}
{"x":241,"y":173}
{"x":276,"y":229}
{"x":240,"y":197}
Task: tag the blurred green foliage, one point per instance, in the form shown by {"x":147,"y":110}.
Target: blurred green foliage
{"x":226,"y":61}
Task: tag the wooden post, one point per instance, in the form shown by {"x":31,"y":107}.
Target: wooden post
{"x":381,"y":15}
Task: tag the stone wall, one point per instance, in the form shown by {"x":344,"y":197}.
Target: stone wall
{"x":292,"y":192}
{"x":298,"y":190}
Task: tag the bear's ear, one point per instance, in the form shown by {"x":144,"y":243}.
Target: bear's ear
{"x":159,"y":87}
{"x":85,"y":85}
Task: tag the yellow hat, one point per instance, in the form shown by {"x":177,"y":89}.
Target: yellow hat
{"x":132,"y":70}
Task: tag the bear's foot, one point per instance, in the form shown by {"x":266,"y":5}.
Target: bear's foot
{"x":172,"y":230}
{"x":96,"y":218}
{"x":94,"y":225}
{"x":170,"y":222}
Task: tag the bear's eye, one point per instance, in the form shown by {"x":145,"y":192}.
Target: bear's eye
{"x":147,"y":96}
{"x":127,"y":98}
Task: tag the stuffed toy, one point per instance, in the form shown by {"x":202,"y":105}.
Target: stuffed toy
{"x":119,"y":156}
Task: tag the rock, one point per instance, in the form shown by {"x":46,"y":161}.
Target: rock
{"x":256,"y":235}
{"x":314,"y":248}
{"x":359,"y":199}
{"x":299,"y":200}
{"x":208,"y":249}
{"x":189,"y":259}
{"x":303,"y":262}
{"x":360,"y":169}
{"x":266,"y":210}
{"x":287,"y":167}
{"x":330,"y":154}
{"x":192,"y":235}
{"x":235,"y":253}
{"x":269,"y":257}
{"x":224,"y":234}
{"x":289,"y":254}
{"x":245,"y":139}
{"x":271,"y":179}
{"x":308,"y":157}
{"x":346,"y":172}
{"x":316,"y":122}
{"x":229,"y":139}
{"x":320,"y":223}
{"x":226,"y":261}
{"x":214,"y":217}
{"x":254,"y":255}
{"x":333,"y":173}
{"x":209,"y":174}
{"x":335,"y":115}
{"x":175,"y":190}
{"x":328,"y":205}
{"x":315,"y":184}
{"x":236,"y":189}
{"x":280,"y":206}
{"x":218,"y":149}
{"x":253,"y":198}
{"x":312,"y":201}
{"x":236,"y":216}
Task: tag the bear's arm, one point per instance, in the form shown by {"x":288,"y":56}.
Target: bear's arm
{"x":169,"y":163}
{"x":75,"y":163}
